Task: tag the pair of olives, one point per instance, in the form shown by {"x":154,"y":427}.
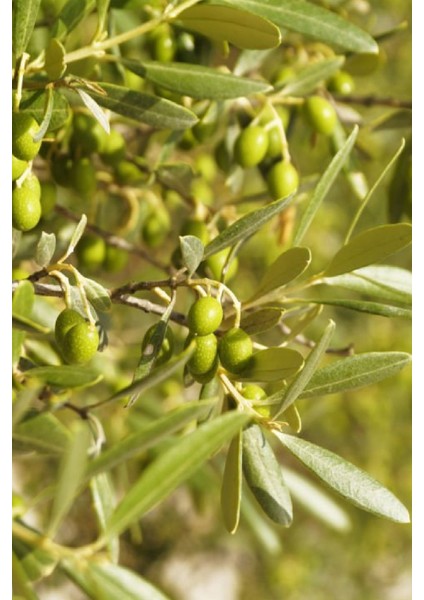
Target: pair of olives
{"x":233,"y":351}
{"x":77,"y":339}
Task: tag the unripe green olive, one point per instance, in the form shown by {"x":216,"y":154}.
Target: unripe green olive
{"x":206,"y":166}
{"x":282,"y":179}
{"x":91,"y":252}
{"x":48,"y":197}
{"x":251,"y":391}
{"x":222,"y":156}
{"x":113,"y":148}
{"x":320,"y":114}
{"x":197,"y":228}
{"x":80,"y":343}
{"x":162,"y":44}
{"x":127,"y":173}
{"x":18,"y":167}
{"x":205,"y":316}
{"x":204,"y":360}
{"x":167,"y":348}
{"x":284,"y":74}
{"x":67,"y":319}
{"x":24,"y":127}
{"x":216,"y":263}
{"x":235,"y":350}
{"x":83,"y":176}
{"x":341,"y":83}
{"x":115,"y":259}
{"x":26,"y":205}
{"x":155,"y":228}
{"x":88,"y":135}
{"x":61,"y":169}
{"x":251,"y":146}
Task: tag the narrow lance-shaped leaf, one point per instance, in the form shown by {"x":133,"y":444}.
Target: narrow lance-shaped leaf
{"x":104,"y":503}
{"x":94,"y":108}
{"x":324,"y":185}
{"x":246,"y":226}
{"x":43,"y":433}
{"x":71,"y":471}
{"x":45,"y":249}
{"x":308,"y":78}
{"x":192,"y":252}
{"x":264,"y":477}
{"x":37,"y":562}
{"x":355,"y":372}
{"x":71,"y":14}
{"x":24,"y":15}
{"x":352,"y":483}
{"x":22,"y":303}
{"x":272,"y":364}
{"x":54,"y":61}
{"x":26,"y":324}
{"x":311,"y":362}
{"x":173,"y":467}
{"x":97,"y":294}
{"x":197,"y":81}
{"x":47,"y":115}
{"x":285,"y":268}
{"x":311,"y":20}
{"x":144,"y":108}
{"x":76,"y":236}
{"x":231,"y":24}
{"x":370,"y":246}
{"x":65,"y":376}
{"x":21,"y":583}
{"x":261,"y":320}
{"x":373,"y":308}
{"x":231,"y":485}
{"x":34,"y":102}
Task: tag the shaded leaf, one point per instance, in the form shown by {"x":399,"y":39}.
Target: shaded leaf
{"x":43,"y":433}
{"x":373,"y":308}
{"x":324,"y":185}
{"x":266,"y":535}
{"x":97,"y":295}
{"x":316,"y":502}
{"x":264,"y":477}
{"x":20,"y":580}
{"x":197,"y":81}
{"x":104,"y":503}
{"x":71,"y":470}
{"x":76,"y":235}
{"x":22,"y":303}
{"x":289,"y":395}
{"x":246,"y":226}
{"x":173,"y":467}
{"x":272,"y":364}
{"x":65,"y":376}
{"x":24,"y":15}
{"x":27,"y":324}
{"x":34,"y":102}
{"x":176,"y":176}
{"x":260,"y":320}
{"x":311,"y":20}
{"x":54,"y":60}
{"x":231,"y":24}
{"x":306,"y":80}
{"x":352,"y":483}
{"x":355,"y":372}
{"x":370,"y":246}
{"x":231,"y":485}
{"x":191,"y":252}
{"x":37,"y":562}
{"x":398,"y":119}
{"x":45,"y":249}
{"x":144,"y":108}
{"x":285,"y":268}
{"x":72,"y":13}
{"x":292,"y":418}
{"x":47,"y":116}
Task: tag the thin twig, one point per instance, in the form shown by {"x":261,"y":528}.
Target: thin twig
{"x":374,"y":101}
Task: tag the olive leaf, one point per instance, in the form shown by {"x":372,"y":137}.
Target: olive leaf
{"x":231,"y":485}
{"x":45,"y":249}
{"x":192,"y":252}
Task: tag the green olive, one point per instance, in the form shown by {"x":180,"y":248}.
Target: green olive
{"x":203,"y":362}
{"x":18,"y":167}
{"x":156,"y":228}
{"x":282,"y":179}
{"x":251,"y":391}
{"x":197,"y":228}
{"x":90,"y":252}
{"x":83,"y":176}
{"x":26,"y":205}
{"x":80,"y":343}
{"x":127,"y":173}
{"x":113,"y":148}
{"x":61,"y":169}
{"x":87,"y":135}
{"x":24,"y":127}
{"x":341,"y":83}
{"x":205,"y":316}
{"x":48,"y":197}
{"x":67,"y":319}
{"x":235,"y":350}
{"x":115,"y":259}
{"x":216,"y":262}
{"x":251,"y":146}
{"x":320,"y":114}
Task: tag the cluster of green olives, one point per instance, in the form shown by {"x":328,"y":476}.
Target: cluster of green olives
{"x":77,"y":339}
{"x":93,"y":253}
{"x":233,"y":351}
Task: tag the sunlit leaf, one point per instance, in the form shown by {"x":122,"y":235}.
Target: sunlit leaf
{"x":373,"y":308}
{"x":24,"y":16}
{"x":104,"y":503}
{"x":94,"y":108}
{"x":191,"y":252}
{"x":97,"y":295}
{"x":260,"y":320}
{"x":65,"y":376}
{"x":37,"y":562}
{"x":231,"y":485}
{"x":54,"y":60}
{"x":272,"y":364}
{"x":45,"y":248}
{"x":43,"y":433}
{"x":21,"y":582}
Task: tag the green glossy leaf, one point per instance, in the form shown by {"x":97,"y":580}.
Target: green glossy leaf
{"x":260,"y":320}
{"x":43,"y":433}
{"x":54,"y":60}
{"x":316,"y":502}
{"x":246,"y":226}
{"x":231,"y":24}
{"x":285,"y":268}
{"x":264,"y":477}
{"x":97,"y":295}
{"x":372,"y":308}
{"x":72,"y":13}
{"x":71,"y":471}
{"x":22,"y":303}
{"x":231,"y":485}
{"x":311,"y":20}
{"x":299,"y":383}
{"x":111,"y":582}
{"x":306,"y":80}
{"x":94,"y":108}
{"x":173,"y":467}
{"x":197,"y":81}
{"x":148,"y":436}
{"x":382,"y":282}
{"x":34,"y":102}
{"x":45,"y":249}
{"x":192,"y":252}
{"x":352,"y":483}
{"x":272,"y":364}
{"x":20,"y":580}
{"x":104,"y":502}
{"x":65,"y":376}
{"x":355,"y":372}
{"x":324,"y":185}
{"x":37,"y":562}
{"x":145,"y":108}
{"x":370,"y":246}
{"x":24,"y":15}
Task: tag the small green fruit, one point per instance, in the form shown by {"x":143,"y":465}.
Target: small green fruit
{"x":235,"y":350}
{"x":24,"y":127}
{"x":251,"y":391}
{"x":115,"y":259}
{"x":127,"y":173}
{"x":91,"y":252}
{"x":80,"y":343}
{"x":83,"y":176}
{"x":18,"y":167}
{"x":282,"y":180}
{"x":26,"y":205}
{"x":88,"y":135}
{"x":205,"y":316}
{"x":341,"y":83}
{"x":320,"y":114}
{"x":67,"y":319}
{"x":204,"y":360}
{"x":251,"y":146}
{"x":48,"y":197}
{"x":61,"y":169}
{"x":156,"y":228}
{"x":113,"y":148}
{"x":216,"y":263}
{"x":197,"y":228}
